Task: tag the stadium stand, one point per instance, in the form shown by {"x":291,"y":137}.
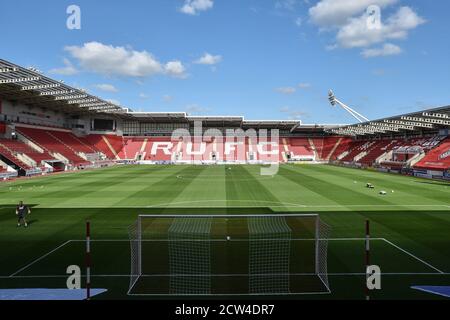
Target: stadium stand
{"x":19,"y":147}
{"x":9,"y":154}
{"x":437,"y":159}
{"x":335,"y":146}
{"x":104,"y":132}
{"x":77,"y":144}
{"x":133,"y":148}
{"x":157,"y":147}
{"x":376,"y":150}
{"x":300,"y":148}
{"x":109,"y":145}
{"x":49,"y":141}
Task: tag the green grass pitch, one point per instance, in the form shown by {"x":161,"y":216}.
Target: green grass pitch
{"x":410,"y":224}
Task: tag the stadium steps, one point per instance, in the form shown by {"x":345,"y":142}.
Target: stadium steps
{"x":31,"y":156}
{"x":49,"y":143}
{"x":61,"y":141}
{"x":415,"y":160}
{"x":9,"y":154}
{"x":375,"y":151}
{"x":73,"y":142}
{"x":100,"y":143}
{"x":333,"y":150}
{"x":313,"y":148}
{"x":108,"y":143}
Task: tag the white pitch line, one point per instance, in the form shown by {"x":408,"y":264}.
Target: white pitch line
{"x":430,"y":291}
{"x":164,"y":240}
{"x":415,"y":257}
{"x":253,"y":204}
{"x":331,"y":274}
{"x":39,"y":259}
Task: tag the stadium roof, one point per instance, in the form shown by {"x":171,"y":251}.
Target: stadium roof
{"x":221,"y":121}
{"x":30,"y":87}
{"x":430,"y":119}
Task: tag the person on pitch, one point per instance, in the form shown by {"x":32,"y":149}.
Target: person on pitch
{"x":21,"y":211}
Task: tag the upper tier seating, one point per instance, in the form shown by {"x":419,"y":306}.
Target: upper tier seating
{"x":335,"y":146}
{"x":356,"y":148}
{"x":377,"y":150}
{"x":49,"y":141}
{"x":79,"y":144}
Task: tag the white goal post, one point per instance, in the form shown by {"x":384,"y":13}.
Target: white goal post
{"x":269,"y":254}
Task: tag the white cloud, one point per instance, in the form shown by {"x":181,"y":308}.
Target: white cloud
{"x":67,"y":70}
{"x":209,"y":59}
{"x":143,"y":96}
{"x":286,"y":90}
{"x":286,"y":4}
{"x":175,"y":69}
{"x":304,"y":85}
{"x":110,"y":60}
{"x":106,"y":87}
{"x":298,"y":22}
{"x":167,"y":98}
{"x":192,"y":7}
{"x":379,"y":72}
{"x":333,"y":13}
{"x":196,"y":109}
{"x":388,"y":49}
{"x":350,"y":20}
{"x":294,"y":114}
{"x":357,"y":34}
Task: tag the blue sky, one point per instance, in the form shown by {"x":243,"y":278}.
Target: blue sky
{"x":263,"y":59}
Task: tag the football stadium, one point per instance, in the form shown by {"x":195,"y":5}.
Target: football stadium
{"x":101,"y":202}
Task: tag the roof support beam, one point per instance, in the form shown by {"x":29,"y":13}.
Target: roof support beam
{"x":54,"y":93}
{"x":37,"y":87}
{"x":427,"y":120}
{"x":71,"y":97}
{"x":6,"y":70}
{"x":18,"y":80}
{"x":82,"y":101}
{"x":408,"y":123}
{"x":436,"y":115}
{"x":91,"y":105}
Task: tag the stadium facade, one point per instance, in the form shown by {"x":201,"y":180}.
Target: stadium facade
{"x":47,"y":126}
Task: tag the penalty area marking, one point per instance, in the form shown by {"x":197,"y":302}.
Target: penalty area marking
{"x":438,"y":271}
{"x":39,"y":259}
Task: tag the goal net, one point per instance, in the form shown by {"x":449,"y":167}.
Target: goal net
{"x":277,"y":254}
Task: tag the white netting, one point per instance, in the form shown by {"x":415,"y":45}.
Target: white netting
{"x":322,"y":234}
{"x":229,"y":254}
{"x":190,"y":256}
{"x":269,"y":256}
{"x":134,"y":235}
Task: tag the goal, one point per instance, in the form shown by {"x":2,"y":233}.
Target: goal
{"x":271,"y":254}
